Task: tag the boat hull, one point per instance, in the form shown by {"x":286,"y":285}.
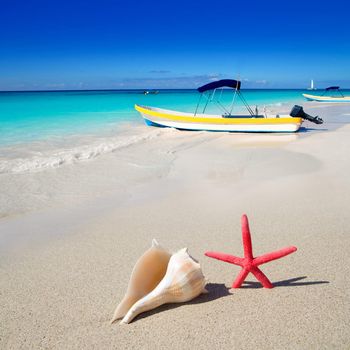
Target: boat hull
{"x":186,"y":121}
{"x":327,"y":98}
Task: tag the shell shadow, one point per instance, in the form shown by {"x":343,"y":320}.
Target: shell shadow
{"x":215,"y":291}
{"x":292,"y":282}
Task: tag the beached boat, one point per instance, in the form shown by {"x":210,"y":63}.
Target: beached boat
{"x":335,"y":98}
{"x":252,"y":122}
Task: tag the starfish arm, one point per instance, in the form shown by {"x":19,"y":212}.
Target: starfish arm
{"x":261,"y":277}
{"x":225,"y":257}
{"x":240,"y":278}
{"x":274,"y":255}
{"x":247,"y":240}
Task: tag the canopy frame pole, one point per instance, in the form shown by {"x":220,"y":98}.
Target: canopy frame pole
{"x":199,"y":101}
{"x":222,"y":107}
{"x":222,"y":89}
{"x":219,"y":103}
{"x":206,"y":104}
{"x":246,"y":104}
{"x":233,"y":101}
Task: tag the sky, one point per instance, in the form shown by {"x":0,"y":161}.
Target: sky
{"x":112,"y":44}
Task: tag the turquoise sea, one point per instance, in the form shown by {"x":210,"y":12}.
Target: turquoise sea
{"x":33,"y":124}
{"x":33,"y":116}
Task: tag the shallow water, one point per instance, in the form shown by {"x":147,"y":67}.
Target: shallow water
{"x":32,"y":116}
{"x":49,"y":129}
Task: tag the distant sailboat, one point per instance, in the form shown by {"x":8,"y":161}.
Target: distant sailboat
{"x":312,"y":86}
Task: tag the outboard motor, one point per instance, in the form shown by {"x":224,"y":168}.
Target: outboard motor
{"x":298,"y":112}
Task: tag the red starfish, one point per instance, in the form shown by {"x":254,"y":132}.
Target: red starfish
{"x":249,"y":263}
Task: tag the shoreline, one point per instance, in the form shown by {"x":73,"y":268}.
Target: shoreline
{"x":54,"y":152}
{"x":39,"y":119}
{"x":90,"y":221}
{"x":42,"y":169}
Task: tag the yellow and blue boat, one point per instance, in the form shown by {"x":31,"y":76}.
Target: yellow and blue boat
{"x":335,"y":98}
{"x":252,"y":122}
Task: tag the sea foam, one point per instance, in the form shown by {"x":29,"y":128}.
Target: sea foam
{"x":55,"y":158}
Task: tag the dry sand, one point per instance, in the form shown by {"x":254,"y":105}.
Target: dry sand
{"x":70,"y":236}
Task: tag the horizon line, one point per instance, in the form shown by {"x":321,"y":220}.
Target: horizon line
{"x":154,"y":89}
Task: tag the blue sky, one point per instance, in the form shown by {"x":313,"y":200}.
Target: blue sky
{"x":172,"y":44}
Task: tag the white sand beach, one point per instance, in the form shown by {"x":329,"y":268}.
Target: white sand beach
{"x":69,"y":238}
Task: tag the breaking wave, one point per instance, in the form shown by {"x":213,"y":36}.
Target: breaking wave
{"x":55,"y":158}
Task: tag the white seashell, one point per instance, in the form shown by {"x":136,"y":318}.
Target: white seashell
{"x":148,"y":271}
{"x":182,"y":282}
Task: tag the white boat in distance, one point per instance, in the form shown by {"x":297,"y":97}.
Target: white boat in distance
{"x":330,"y":98}
{"x":252,"y":122}
{"x":312,"y":87}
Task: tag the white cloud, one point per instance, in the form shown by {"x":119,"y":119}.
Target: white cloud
{"x":55,"y":85}
{"x":155,"y":71}
{"x":186,"y":82}
{"x":261,"y":82}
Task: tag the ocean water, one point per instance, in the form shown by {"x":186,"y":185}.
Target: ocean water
{"x":48,"y":129}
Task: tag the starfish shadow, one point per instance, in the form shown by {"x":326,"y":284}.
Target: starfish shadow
{"x":215,"y":291}
{"x":292,"y":282}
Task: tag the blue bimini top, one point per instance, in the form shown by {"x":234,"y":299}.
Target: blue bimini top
{"x":332,"y":88}
{"x":234,"y":84}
